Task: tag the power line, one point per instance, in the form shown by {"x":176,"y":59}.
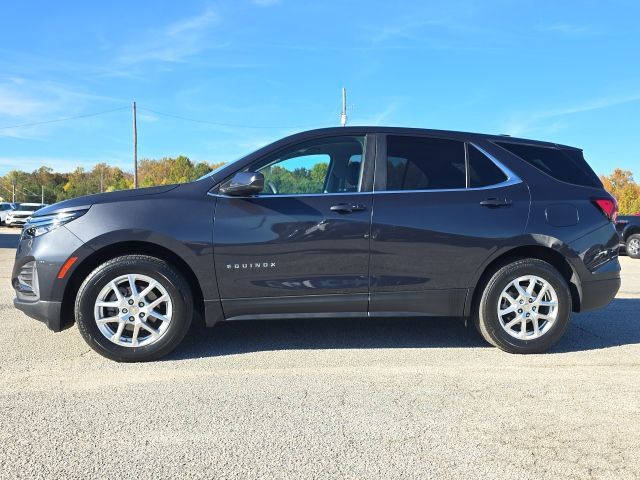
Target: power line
{"x":170,"y":115}
{"x":232,"y":125}
{"x":63,"y":119}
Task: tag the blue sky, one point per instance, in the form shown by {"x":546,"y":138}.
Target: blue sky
{"x":561,"y":71}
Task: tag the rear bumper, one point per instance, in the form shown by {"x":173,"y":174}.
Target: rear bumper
{"x":598,"y":293}
{"x":47,"y":312}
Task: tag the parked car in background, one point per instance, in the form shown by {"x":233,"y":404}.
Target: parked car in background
{"x":513,"y":234}
{"x":19,"y":216}
{"x":5,"y":208}
{"x":628,"y":227}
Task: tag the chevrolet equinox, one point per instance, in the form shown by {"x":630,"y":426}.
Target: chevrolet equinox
{"x":512,"y":234}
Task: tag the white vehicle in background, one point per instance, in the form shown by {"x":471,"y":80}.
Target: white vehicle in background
{"x":21,"y":214}
{"x":5,"y":208}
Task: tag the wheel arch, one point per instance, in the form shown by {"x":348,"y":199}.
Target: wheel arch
{"x":547,"y":254}
{"x":127,"y":248}
{"x":632,"y":230}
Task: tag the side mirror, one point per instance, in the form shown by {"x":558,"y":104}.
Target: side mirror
{"x":244,"y":183}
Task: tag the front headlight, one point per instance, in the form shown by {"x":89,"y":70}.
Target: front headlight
{"x":37,"y":226}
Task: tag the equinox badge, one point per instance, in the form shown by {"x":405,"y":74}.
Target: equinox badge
{"x":247,"y":266}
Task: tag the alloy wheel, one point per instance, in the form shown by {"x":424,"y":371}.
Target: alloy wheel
{"x":133,"y":310}
{"x":527,"y":307}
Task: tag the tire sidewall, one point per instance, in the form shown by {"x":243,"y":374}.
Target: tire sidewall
{"x":489,"y":305}
{"x":159,"y":271}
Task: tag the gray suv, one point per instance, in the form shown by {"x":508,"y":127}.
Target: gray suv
{"x":513,"y":234}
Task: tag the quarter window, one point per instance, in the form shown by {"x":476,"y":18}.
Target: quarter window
{"x":418,"y":163}
{"x":327,"y":165}
{"x":562,"y":164}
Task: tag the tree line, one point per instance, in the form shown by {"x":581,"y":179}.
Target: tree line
{"x":55,"y":187}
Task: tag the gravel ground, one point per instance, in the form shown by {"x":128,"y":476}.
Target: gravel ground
{"x":324,"y":399}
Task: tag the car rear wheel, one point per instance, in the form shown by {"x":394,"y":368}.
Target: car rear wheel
{"x":134,"y":308}
{"x":525,"y":307}
{"x":633,"y":246}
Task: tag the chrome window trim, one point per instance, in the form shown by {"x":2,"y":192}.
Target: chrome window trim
{"x":512,"y":178}
{"x":220,"y":195}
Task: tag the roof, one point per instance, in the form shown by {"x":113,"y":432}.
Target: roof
{"x":459,"y":135}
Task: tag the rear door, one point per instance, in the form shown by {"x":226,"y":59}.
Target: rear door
{"x":442,"y":207}
{"x":301,"y":245}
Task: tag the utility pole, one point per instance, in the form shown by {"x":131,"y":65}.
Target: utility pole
{"x":135,"y":148}
{"x":343,"y":114}
{"x":102,"y":179}
{"x":13,"y":185}
{"x":42,"y":194}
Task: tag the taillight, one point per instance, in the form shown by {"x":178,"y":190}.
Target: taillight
{"x":608,"y":206}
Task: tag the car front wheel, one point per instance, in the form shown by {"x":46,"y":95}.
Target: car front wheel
{"x":134,"y":308}
{"x":525,"y":307}
{"x":633,"y":246}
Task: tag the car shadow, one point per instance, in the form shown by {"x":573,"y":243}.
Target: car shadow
{"x":615,"y":325}
{"x":231,"y":338}
{"x":9,"y":240}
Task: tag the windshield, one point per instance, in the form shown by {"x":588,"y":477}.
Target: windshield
{"x":29,"y":208}
{"x":214,"y":171}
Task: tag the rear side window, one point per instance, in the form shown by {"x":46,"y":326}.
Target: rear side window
{"x":416,"y":163}
{"x":562,"y":164}
{"x":482,"y":171}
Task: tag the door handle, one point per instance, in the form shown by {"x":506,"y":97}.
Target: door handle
{"x":496,"y":202}
{"x":348,"y":207}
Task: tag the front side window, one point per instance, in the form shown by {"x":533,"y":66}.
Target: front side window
{"x":420,"y":163}
{"x":327,"y":165}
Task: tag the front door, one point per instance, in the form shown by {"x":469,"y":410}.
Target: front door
{"x":301,"y":245}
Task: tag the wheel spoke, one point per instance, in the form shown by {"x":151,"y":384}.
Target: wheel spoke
{"x":521,"y":291}
{"x":523,"y":327}
{"x":159,"y":316}
{"x":116,"y":336}
{"x":513,"y":322}
{"x":511,"y":308}
{"x":116,"y":290}
{"x":109,"y":320}
{"x":147,"y":289}
{"x":536,"y":330}
{"x":115,"y":304}
{"x":150,"y":329}
{"x":548,"y":304}
{"x":132,"y":285}
{"x":531,"y":286}
{"x":157,"y":302}
{"x":542,"y":291}
{"x":507,"y":296}
{"x":134,"y":335}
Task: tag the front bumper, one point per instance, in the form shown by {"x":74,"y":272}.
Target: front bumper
{"x":44,"y":311}
{"x":39,"y":291}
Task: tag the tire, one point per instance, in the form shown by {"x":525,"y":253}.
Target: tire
{"x":632,"y":246}
{"x":170,"y":293}
{"x":495,"y":328}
